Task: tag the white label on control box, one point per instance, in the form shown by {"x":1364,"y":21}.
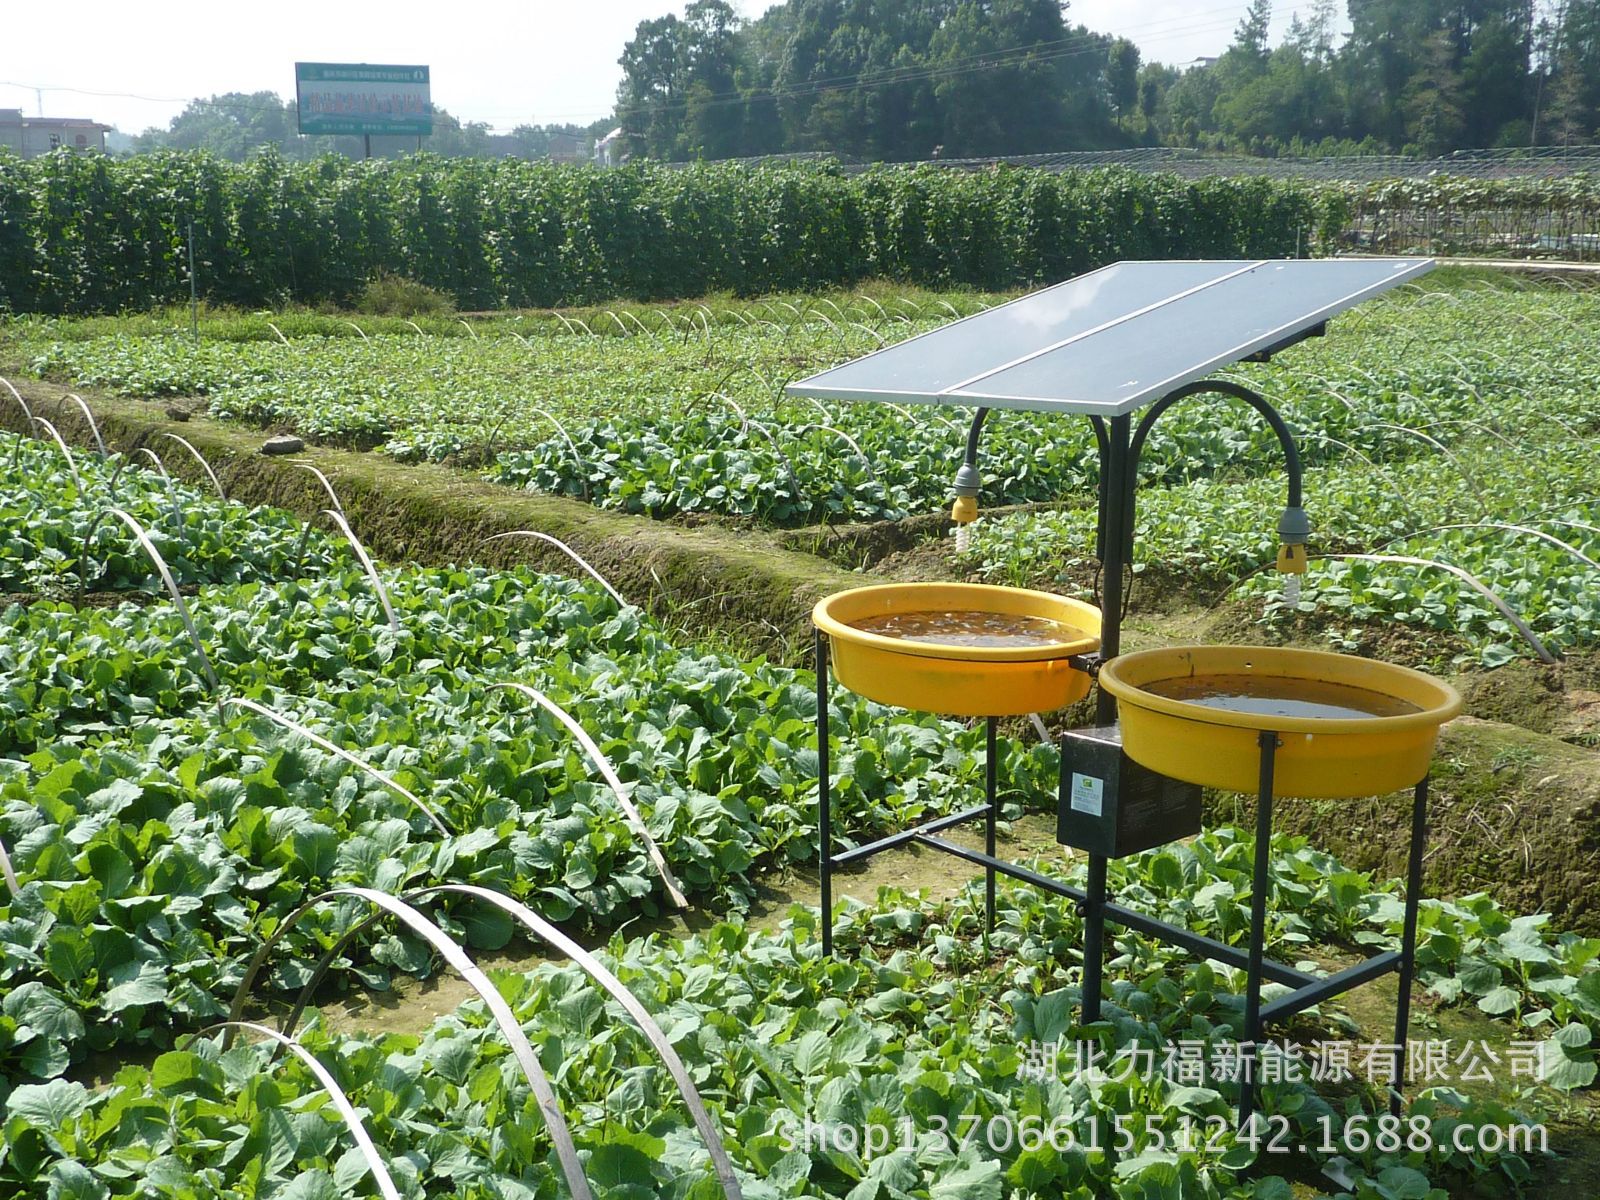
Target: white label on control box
{"x":1088,"y":794}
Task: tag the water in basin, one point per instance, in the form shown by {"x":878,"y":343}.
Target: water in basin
{"x":985,"y":630}
{"x":1277,"y":696}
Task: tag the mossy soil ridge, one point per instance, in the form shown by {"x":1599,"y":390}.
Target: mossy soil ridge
{"x":743,"y":585}
{"x":1514,"y":808}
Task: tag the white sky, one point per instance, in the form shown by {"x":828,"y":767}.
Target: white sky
{"x":505,"y":62}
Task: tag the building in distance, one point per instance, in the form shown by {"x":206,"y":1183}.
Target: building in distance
{"x":33,"y":136}
{"x":568,"y":148}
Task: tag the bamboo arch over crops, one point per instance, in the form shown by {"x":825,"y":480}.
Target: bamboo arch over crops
{"x":88,"y":416}
{"x":172,"y":590}
{"x":612,"y":780}
{"x":545,"y":931}
{"x":341,"y":1102}
{"x":456,"y":957}
{"x":201,"y":459}
{"x":569,"y":552}
{"x":72,"y":465}
{"x":361,"y":764}
{"x":8,"y":871}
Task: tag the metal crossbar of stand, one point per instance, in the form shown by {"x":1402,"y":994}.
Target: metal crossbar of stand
{"x":1097,"y":906}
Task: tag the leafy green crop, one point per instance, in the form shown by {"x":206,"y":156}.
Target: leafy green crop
{"x":907,"y":1029}
{"x":157,"y":843}
{"x":45,"y":519}
{"x":672,"y":412}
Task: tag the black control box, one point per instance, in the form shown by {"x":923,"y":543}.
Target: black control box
{"x":1110,"y":805}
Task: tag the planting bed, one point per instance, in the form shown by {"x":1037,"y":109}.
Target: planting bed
{"x":1454,"y":424}
{"x":159,"y":830}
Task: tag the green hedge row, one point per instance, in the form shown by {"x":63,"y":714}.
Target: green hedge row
{"x":82,"y":234}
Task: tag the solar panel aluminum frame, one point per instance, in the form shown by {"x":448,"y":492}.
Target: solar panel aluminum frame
{"x":966,"y":393}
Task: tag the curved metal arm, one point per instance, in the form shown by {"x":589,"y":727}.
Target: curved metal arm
{"x":974,"y":432}
{"x":1102,"y":439}
{"x":499,"y":1010}
{"x":1223,"y":387}
{"x":1102,"y":443}
{"x":341,"y":1102}
{"x":543,"y":929}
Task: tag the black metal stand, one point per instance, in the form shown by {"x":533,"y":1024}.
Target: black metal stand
{"x":1119,"y":446}
{"x":1097,"y":906}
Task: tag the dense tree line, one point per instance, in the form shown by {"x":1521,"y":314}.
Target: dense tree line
{"x":1419,"y":76}
{"x":905,"y":80}
{"x":918,"y":79}
{"x":872,"y":79}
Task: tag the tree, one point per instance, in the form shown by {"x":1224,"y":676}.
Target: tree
{"x":1495,"y":77}
{"x":654,"y":85}
{"x":533,"y":141}
{"x":1574,"y":104}
{"x":1155,"y":81}
{"x":1251,"y":34}
{"x":1313,"y":37}
{"x":1122,"y":77}
{"x":230,"y":126}
{"x":713,"y":119}
{"x":1379,"y":60}
{"x":1432,"y":101}
{"x":1190,"y":103}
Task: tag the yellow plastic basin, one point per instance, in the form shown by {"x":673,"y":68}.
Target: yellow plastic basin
{"x":962,"y":681}
{"x":1330,"y":758}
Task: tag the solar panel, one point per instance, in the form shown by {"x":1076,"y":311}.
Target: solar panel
{"x":1115,"y":339}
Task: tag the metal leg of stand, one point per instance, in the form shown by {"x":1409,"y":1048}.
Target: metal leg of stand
{"x":989,"y":793}
{"x":1258,"y":930}
{"x":824,"y":816}
{"x":1408,"y":940}
{"x":1094,"y":932}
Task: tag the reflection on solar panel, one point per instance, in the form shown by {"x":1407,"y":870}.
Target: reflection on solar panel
{"x":1110,"y":341}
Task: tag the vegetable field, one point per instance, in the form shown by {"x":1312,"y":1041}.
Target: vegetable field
{"x":1452,"y":423}
{"x":249,"y":770}
{"x":157,"y":841}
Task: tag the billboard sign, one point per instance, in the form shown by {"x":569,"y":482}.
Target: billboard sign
{"x":363,"y":98}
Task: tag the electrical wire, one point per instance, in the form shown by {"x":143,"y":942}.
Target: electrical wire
{"x":1077,"y":44}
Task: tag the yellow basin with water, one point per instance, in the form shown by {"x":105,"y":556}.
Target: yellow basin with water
{"x":1327,"y":757}
{"x":961,"y":681}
